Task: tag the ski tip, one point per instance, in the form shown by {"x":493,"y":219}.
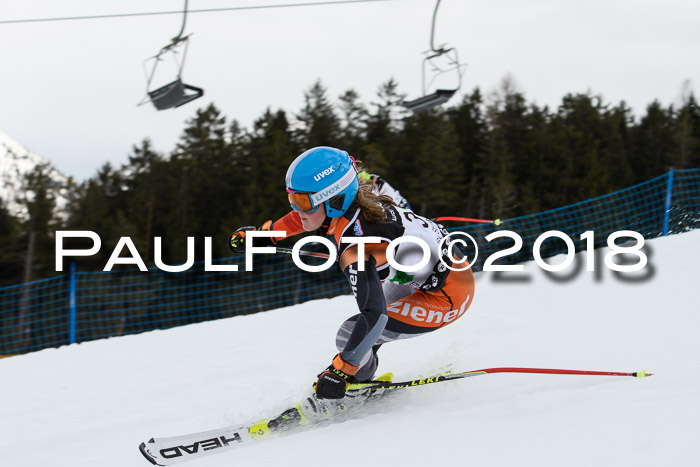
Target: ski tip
{"x":643,"y":374}
{"x":146,"y":454}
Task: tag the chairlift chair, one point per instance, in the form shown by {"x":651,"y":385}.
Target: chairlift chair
{"x":175,"y":93}
{"x":439,"y":96}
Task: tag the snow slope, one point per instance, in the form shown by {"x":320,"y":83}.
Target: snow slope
{"x":93,"y":403}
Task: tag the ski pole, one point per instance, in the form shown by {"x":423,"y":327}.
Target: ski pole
{"x":303,"y":252}
{"x":439,"y":219}
{"x":552,"y":371}
{"x":469,"y":219}
{"x":486,"y":371}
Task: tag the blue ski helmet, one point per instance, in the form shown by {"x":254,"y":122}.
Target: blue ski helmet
{"x":322,"y":175}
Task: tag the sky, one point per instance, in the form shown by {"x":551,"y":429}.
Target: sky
{"x":93,"y":403}
{"x":69,"y":90}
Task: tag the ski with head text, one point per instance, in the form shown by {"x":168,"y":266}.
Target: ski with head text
{"x":313,"y":411}
{"x":309,"y":412}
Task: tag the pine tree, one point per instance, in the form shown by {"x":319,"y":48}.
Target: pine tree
{"x":435,"y":179}
{"x":381,"y":154}
{"x":652,"y":143}
{"x":268,"y":153}
{"x":472,"y":139}
{"x":41,"y":223}
{"x":353,"y":114}
{"x":320,"y":124}
{"x":148,"y":194}
{"x":615,"y":143}
{"x":101,"y":204}
{"x":686,"y":153}
{"x":207,"y":181}
{"x":533,"y":173}
{"x":505,"y":118}
{"x":578,"y":126}
{"x":10,"y":255}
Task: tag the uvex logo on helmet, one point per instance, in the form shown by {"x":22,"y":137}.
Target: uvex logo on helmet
{"x":320,"y":175}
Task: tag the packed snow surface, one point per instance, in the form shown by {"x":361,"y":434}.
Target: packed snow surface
{"x":93,"y":403}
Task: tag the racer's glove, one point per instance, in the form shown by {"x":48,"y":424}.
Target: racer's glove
{"x":236,"y":241}
{"x":333,"y":382}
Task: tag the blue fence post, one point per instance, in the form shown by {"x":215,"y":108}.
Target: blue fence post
{"x":669,"y":190}
{"x":72,"y":303}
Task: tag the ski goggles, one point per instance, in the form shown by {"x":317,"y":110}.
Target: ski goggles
{"x":307,"y":203}
{"x":301,"y":201}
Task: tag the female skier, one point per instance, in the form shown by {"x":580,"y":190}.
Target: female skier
{"x":325,"y":193}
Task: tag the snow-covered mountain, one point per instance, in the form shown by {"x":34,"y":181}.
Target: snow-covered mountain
{"x":15,"y":163}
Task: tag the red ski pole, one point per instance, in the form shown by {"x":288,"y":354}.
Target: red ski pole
{"x":469,"y":219}
{"x":486,"y":371}
{"x":552,"y":371}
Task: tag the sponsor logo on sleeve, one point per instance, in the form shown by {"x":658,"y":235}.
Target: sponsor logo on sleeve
{"x":358,"y":228}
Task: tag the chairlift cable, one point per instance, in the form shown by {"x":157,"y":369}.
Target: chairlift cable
{"x":206,"y":10}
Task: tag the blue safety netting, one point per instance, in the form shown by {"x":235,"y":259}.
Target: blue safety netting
{"x":82,"y":306}
{"x":641,"y":208}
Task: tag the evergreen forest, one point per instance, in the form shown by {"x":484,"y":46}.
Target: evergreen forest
{"x":484,"y":156}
